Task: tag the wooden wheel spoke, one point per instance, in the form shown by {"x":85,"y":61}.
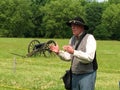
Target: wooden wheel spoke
{"x":31,"y":46}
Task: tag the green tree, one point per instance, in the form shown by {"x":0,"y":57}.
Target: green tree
{"x":114,"y":1}
{"x":37,"y":15}
{"x":56,"y":13}
{"x":102,"y":33}
{"x":93,"y":15}
{"x":16,"y":18}
{"x":111,"y":19}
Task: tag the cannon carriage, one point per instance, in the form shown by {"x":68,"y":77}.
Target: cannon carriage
{"x":35,"y":47}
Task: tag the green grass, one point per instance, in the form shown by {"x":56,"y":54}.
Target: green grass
{"x":40,"y":73}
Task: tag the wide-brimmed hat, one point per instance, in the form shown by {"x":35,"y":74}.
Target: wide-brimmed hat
{"x":78,"y":21}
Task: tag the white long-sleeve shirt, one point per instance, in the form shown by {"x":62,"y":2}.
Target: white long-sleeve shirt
{"x":84,"y":57}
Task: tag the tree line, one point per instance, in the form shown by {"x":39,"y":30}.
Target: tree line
{"x":47,"y":18}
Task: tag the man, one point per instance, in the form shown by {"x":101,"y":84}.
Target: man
{"x":83,"y":58}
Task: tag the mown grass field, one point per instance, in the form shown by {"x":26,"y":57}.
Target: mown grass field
{"x":40,"y":73}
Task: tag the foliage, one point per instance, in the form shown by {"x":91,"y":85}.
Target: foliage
{"x":112,"y":20}
{"x":37,"y":16}
{"x":114,"y":1}
{"x":47,"y":18}
{"x":93,"y":15}
{"x":56,"y":14}
{"x":15,"y":18}
{"x":101,"y":33}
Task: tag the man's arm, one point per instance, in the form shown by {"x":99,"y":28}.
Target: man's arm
{"x":64,"y":55}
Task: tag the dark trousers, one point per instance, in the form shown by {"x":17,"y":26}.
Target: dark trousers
{"x":84,"y":81}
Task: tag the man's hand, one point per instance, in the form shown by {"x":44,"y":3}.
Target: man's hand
{"x":54,"y":48}
{"x":68,"y":49}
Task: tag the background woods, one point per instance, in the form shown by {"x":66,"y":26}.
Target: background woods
{"x":46,"y":18}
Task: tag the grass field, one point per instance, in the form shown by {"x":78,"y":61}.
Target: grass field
{"x":40,"y":73}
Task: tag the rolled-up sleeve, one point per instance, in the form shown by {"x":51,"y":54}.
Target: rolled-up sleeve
{"x":64,"y":55}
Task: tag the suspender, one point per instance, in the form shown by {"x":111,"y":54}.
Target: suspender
{"x":72,"y":42}
{"x":81,"y":37}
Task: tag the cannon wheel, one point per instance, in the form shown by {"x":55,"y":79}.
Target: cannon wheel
{"x":31,"y":47}
{"x":47,"y":52}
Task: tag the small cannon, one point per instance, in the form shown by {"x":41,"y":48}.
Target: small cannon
{"x":35,"y":47}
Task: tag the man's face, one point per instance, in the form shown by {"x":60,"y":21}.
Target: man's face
{"x":76,"y":29}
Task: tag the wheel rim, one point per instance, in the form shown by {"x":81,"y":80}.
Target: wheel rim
{"x":49,"y":43}
{"x":31,"y":46}
{"x":47,"y":51}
